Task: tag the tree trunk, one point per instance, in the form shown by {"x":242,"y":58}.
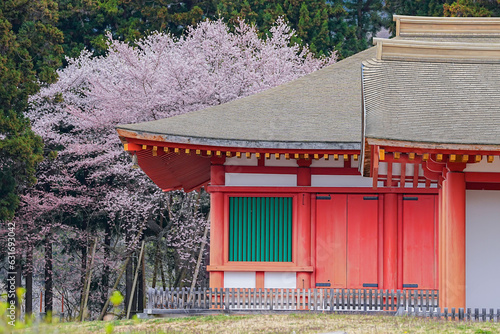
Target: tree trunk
{"x":88,"y":280}
{"x":179,"y":279}
{"x":48,"y":275}
{"x":134,"y":288}
{"x":157,"y":251}
{"x":29,"y":281}
{"x":129,"y":272}
{"x":200,"y":257}
{"x":134,"y":300}
{"x":140,"y":287}
{"x":155,"y":268}
{"x":83,"y":269}
{"x":106,"y":270}
{"x":19,"y":270}
{"x":128,"y":280}
{"x":163,"y":281}
{"x":105,"y":308}
{"x":143,"y":269}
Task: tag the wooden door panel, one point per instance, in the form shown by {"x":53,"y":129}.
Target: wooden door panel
{"x":362,"y":241}
{"x":419,"y":244}
{"x":331,"y":240}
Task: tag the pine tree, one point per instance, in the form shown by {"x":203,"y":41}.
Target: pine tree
{"x":469,"y":8}
{"x":310,"y":19}
{"x":367,"y":18}
{"x":29,"y":52}
{"x":85,"y":23}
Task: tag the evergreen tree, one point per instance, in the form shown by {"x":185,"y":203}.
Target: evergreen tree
{"x":463,"y":8}
{"x":415,"y":8}
{"x":343,"y":35}
{"x":367,"y":18}
{"x":29,"y":53}
{"x":85,"y":23}
{"x":469,"y":8}
{"x":311,"y":19}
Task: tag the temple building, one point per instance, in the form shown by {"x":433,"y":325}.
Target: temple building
{"x":379,"y":171}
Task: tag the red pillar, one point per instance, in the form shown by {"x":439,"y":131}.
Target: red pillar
{"x":453,"y":224}
{"x":217,"y":177}
{"x":441,"y":242}
{"x":390,"y":241}
{"x":303,"y":248}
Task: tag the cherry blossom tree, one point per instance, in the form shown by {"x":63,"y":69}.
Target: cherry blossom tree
{"x":86,"y":176}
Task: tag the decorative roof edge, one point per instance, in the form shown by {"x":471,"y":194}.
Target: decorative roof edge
{"x":447,"y":26}
{"x":428,"y":51}
{"x":443,"y":147}
{"x":221,"y":142}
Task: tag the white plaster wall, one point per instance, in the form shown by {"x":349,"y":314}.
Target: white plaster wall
{"x":410,"y":169}
{"x":239,"y":279}
{"x":280,"y":280}
{"x":484,"y":166}
{"x":396,"y":168}
{"x":355,"y":163}
{"x":483,"y":249}
{"x":264,"y":180}
{"x":243,"y":161}
{"x":282,"y":162}
{"x":351,"y":181}
{"x":382,"y":168}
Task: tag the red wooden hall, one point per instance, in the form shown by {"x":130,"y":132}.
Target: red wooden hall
{"x":379,"y":171}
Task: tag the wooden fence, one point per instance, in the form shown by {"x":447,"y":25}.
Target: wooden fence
{"x":474,"y":315}
{"x":364,"y":300}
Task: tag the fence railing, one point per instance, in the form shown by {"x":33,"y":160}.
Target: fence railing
{"x":474,"y":315}
{"x":291,"y":299}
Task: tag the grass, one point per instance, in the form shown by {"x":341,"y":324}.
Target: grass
{"x":273,"y":323}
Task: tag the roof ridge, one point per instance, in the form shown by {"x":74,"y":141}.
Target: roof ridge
{"x":447,"y":26}
{"x":431,"y":51}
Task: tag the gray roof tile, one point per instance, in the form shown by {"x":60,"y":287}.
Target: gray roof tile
{"x":318,"y":111}
{"x":452,"y":103}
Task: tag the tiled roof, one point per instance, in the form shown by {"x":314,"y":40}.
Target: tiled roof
{"x":432,"y":102}
{"x":318,"y":111}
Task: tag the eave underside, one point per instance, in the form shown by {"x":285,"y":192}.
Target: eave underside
{"x":174,"y":165}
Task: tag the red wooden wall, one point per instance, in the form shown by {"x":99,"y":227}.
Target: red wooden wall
{"x":348,"y":241}
{"x":419,"y":241}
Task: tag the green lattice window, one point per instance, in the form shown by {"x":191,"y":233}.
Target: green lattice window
{"x":260,"y":229}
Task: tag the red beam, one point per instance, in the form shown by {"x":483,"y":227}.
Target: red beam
{"x":389,"y":157}
{"x":261,"y":169}
{"x":482,"y":177}
{"x":321,"y":190}
{"x":259,"y":266}
{"x":482,"y":186}
{"x":291,"y":170}
{"x":334,"y":171}
{"x":421,"y":151}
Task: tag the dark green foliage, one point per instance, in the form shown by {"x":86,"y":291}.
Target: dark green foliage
{"x":311,"y":19}
{"x":417,"y":8}
{"x":85,"y":22}
{"x":29,"y":51}
{"x":459,"y":8}
{"x":469,"y":8}
{"x":366,"y":16}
